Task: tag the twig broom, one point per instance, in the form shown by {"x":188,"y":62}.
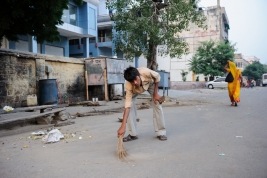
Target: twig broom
{"x":121,"y":152}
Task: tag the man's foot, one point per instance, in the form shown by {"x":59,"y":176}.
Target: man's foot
{"x":235,"y":103}
{"x":162,"y":137}
{"x":129,"y":138}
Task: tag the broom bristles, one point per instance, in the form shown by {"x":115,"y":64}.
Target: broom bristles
{"x":121,"y":151}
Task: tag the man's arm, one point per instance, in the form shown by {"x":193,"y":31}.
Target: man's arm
{"x":156,"y":95}
{"x":122,"y":128}
{"x":226,"y":67}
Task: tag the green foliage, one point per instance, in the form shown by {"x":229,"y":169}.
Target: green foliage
{"x":255,"y":70}
{"x":142,"y":25}
{"x":37,"y":18}
{"x":210,"y":58}
{"x":184,"y":74}
{"x":78,"y":2}
{"x":194,"y":65}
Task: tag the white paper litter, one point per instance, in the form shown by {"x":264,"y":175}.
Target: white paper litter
{"x":53,"y":136}
{"x":38,"y":133}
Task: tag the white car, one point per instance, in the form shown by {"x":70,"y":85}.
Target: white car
{"x":217,"y":83}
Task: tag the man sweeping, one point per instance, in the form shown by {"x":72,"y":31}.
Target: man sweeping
{"x":139,"y":80}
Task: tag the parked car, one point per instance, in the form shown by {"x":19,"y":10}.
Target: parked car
{"x":217,"y":83}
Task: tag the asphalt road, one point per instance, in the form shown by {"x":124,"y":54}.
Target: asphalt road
{"x":207,"y":138}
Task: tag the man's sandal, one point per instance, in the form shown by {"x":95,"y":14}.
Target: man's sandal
{"x":162,"y":137}
{"x":129,"y":138}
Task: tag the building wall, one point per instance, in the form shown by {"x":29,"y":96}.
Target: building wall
{"x":22,"y":45}
{"x":70,"y":78}
{"x":240,"y":62}
{"x":17,"y":79}
{"x":251,"y":59}
{"x":20,"y":73}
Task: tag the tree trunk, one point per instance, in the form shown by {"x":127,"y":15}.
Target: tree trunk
{"x":152,"y":58}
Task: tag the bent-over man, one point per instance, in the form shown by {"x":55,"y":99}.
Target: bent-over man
{"x":139,"y":80}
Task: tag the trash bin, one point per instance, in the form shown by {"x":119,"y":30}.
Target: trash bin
{"x":48,"y":92}
{"x":164,"y":80}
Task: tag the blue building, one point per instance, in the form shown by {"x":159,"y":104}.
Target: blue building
{"x":80,"y":25}
{"x":86,"y":32}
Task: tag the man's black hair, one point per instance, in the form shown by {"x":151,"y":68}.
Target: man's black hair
{"x":130,"y":74}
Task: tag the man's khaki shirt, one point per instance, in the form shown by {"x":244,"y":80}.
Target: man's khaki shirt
{"x":148,"y":78}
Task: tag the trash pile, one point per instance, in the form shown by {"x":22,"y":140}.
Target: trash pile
{"x":53,"y":135}
{"x":8,"y":108}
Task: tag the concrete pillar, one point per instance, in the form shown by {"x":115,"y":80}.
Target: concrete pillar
{"x":86,"y":47}
{"x":218,"y":3}
{"x":136,"y":62}
{"x":32,"y":44}
{"x":40,"y":69}
{"x":113,"y":45}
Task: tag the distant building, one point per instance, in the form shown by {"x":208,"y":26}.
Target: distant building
{"x":240,"y":61}
{"x":251,"y":59}
{"x":217,"y":30}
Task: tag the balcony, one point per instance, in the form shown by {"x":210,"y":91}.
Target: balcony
{"x":94,"y":2}
{"x":104,"y":21}
{"x":104,"y":39}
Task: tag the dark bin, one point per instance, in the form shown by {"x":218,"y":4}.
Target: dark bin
{"x":48,"y":92}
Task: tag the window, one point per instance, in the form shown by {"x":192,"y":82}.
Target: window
{"x":219,"y":80}
{"x":92,"y":40}
{"x":53,"y":50}
{"x":92,"y":24}
{"x":22,"y":45}
{"x":70,"y":15}
{"x":74,"y":42}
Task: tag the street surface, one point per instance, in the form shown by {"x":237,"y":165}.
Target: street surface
{"x":207,"y":138}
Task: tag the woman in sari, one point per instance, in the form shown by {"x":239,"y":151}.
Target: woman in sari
{"x":234,"y":87}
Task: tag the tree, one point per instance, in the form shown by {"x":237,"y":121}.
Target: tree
{"x":38,"y":18}
{"x":254,"y":70}
{"x":210,"y":58}
{"x":142,"y":25}
{"x":194,"y":65}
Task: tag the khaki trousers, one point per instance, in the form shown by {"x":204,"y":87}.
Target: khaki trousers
{"x":158,"y":117}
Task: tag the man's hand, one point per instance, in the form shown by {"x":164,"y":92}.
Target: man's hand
{"x":122,"y":128}
{"x":121,"y":131}
{"x":157,"y":98}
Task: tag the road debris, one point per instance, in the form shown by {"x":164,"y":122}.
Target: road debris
{"x":53,"y":136}
{"x":8,"y":109}
{"x":38,"y":133}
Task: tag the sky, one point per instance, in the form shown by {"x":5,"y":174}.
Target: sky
{"x":248,"y":25}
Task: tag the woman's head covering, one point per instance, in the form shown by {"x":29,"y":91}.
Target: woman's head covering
{"x":233,"y":68}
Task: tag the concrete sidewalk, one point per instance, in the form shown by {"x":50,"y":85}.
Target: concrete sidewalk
{"x":83,"y":108}
{"x":115,"y":104}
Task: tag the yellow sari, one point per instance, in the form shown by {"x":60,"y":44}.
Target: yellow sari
{"x":234,"y":87}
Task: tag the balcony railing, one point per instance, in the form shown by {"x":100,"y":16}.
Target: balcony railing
{"x":104,"y":39}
